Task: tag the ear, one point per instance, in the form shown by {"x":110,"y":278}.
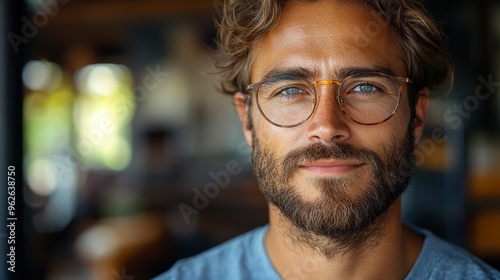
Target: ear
{"x":420,"y":114}
{"x":242,"y":109}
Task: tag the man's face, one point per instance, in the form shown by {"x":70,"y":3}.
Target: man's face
{"x":331,"y":175}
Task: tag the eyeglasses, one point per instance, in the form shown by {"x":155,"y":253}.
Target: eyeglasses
{"x":368,"y":98}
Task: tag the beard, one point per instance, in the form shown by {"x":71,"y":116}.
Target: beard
{"x":337,"y":212}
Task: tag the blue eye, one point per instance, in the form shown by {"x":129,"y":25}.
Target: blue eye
{"x":291,"y":91}
{"x":365,"y":88}
{"x":286,"y":89}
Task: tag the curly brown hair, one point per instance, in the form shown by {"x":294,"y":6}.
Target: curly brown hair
{"x":422,"y":45}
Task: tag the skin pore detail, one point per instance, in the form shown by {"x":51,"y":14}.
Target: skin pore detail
{"x":333,"y":185}
{"x":311,"y":74}
{"x":348,"y":206}
{"x":332,"y":96}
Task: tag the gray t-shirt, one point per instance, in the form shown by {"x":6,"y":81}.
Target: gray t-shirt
{"x":245,"y":257}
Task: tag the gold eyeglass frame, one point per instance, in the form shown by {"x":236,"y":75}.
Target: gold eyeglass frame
{"x":400,"y":80}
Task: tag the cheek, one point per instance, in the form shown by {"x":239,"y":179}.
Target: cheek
{"x":397,"y":126}
{"x":379,"y":138}
{"x":277,"y":139}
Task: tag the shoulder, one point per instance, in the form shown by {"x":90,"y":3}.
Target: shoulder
{"x":238,"y":258}
{"x":442,"y":260}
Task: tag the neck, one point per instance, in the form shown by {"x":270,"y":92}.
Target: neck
{"x":385,"y":250}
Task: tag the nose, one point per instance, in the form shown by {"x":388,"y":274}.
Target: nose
{"x":328,"y":124}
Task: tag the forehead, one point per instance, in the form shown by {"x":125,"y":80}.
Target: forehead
{"x":326,"y":37}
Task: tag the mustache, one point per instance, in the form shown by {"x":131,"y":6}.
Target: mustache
{"x":318,"y":151}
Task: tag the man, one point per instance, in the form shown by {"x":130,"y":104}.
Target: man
{"x":332,"y":96}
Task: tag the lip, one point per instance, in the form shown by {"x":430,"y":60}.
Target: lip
{"x":331,"y":167}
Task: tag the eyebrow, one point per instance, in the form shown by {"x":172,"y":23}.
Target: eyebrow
{"x":299,"y":72}
{"x":346,"y":72}
{"x":311,"y":74}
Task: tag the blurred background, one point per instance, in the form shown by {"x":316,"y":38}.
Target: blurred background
{"x":128,"y":159}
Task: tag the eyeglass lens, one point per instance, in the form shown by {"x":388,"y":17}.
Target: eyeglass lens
{"x":288,"y":101}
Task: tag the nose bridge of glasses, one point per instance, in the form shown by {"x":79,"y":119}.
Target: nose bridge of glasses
{"x":327,"y":82}
{"x":330,"y":102}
